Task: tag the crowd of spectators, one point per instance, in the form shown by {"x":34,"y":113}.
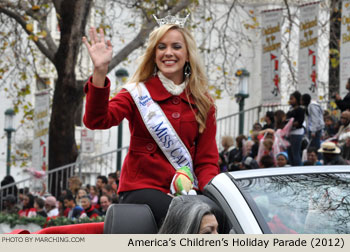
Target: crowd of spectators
{"x":305,"y":135}
{"x":78,"y":201}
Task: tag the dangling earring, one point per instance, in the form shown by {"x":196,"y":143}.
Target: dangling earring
{"x":187,"y":70}
{"x":155,"y":70}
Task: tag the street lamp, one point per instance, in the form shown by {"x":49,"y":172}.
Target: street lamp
{"x":9,"y":114}
{"x":242,"y":94}
{"x":120,"y":74}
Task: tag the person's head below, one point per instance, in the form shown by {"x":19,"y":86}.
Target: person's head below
{"x":39,"y":203}
{"x":74,"y":183}
{"x":305,"y":100}
{"x":267,"y":161}
{"x":69,"y":201}
{"x":21,"y":193}
{"x":227,"y":142}
{"x":101,"y":181}
{"x":247,"y":147}
{"x":93,"y":191}
{"x":345,"y":118}
{"x":280,"y":118}
{"x":348,"y":85}
{"x":329,"y":120}
{"x":294,"y":99}
{"x":9,"y":201}
{"x":28,"y":201}
{"x":312,"y":155}
{"x":112,"y":178}
{"x":240,"y":141}
{"x":257,"y":126}
{"x":329,"y":151}
{"x":105,"y":202}
{"x":269,"y":117}
{"x":85,"y":202}
{"x":81,"y":192}
{"x":50,"y":203}
{"x":108,"y":190}
{"x":249,"y":163}
{"x":268,"y":144}
{"x":282,"y":159}
{"x":189,"y":215}
{"x":255,"y":136}
{"x":172,"y":51}
{"x":8,"y":179}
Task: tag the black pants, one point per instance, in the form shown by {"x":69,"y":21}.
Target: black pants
{"x":156,"y":200}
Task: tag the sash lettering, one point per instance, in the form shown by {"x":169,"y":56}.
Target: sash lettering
{"x":161,"y":129}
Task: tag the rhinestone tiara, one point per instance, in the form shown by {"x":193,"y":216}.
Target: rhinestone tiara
{"x":171,"y":20}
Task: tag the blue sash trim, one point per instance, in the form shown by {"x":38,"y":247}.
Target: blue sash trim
{"x":161,"y":129}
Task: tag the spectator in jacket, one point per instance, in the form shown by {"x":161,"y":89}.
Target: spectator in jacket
{"x":344,"y":104}
{"x":236,"y":155}
{"x":101,"y":182}
{"x":331,"y":154}
{"x":81,"y":192}
{"x":331,"y":126}
{"x":75,"y":211}
{"x":297,"y":132}
{"x":39,"y":204}
{"x":269,"y":120}
{"x":9,"y":205}
{"x":282,"y":159}
{"x":249,"y":163}
{"x":105,"y":202}
{"x":28,"y":209}
{"x":112,"y":180}
{"x":312,"y":157}
{"x":74,"y":184}
{"x":280,"y":119}
{"x":51,"y":207}
{"x":314,"y":120}
{"x":228,"y":145}
{"x":344,"y":130}
{"x":346,"y":149}
{"x":89,"y":209}
{"x":267,"y":161}
{"x":7,"y":180}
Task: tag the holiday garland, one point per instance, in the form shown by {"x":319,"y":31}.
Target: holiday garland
{"x":14,"y":219}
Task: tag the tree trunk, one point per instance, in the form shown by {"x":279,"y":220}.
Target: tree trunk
{"x":68,"y":93}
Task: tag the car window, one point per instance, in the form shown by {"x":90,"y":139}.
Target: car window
{"x":316,"y":203}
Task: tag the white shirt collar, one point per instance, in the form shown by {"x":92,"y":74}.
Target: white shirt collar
{"x":170,"y":86}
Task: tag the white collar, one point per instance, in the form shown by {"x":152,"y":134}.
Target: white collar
{"x":170,"y":86}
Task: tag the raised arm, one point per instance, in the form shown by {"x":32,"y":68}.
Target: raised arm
{"x":100,"y":52}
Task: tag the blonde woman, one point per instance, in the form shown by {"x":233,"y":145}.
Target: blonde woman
{"x":171,"y":72}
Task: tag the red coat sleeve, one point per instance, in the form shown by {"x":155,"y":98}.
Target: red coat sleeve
{"x":100,"y":113}
{"x":207,"y":155}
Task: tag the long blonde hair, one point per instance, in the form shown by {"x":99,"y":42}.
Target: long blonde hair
{"x":198,"y":83}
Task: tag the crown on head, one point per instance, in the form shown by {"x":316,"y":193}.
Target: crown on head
{"x":172,"y":20}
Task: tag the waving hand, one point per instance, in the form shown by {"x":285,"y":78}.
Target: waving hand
{"x":100,"y":52}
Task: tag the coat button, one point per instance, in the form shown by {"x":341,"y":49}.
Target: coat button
{"x":175,"y":115}
{"x":176,"y":100}
{"x":149,"y":146}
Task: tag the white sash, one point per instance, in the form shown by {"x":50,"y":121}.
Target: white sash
{"x":160,"y":128}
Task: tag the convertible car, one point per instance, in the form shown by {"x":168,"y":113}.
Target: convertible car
{"x":314,"y":199}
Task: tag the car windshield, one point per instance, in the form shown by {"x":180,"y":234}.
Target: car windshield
{"x":314,"y":203}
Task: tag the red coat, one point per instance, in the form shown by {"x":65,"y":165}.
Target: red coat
{"x":145,"y":165}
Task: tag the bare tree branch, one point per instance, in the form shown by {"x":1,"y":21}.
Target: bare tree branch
{"x":46,"y":51}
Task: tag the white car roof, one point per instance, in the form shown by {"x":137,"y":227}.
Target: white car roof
{"x":266,"y":172}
